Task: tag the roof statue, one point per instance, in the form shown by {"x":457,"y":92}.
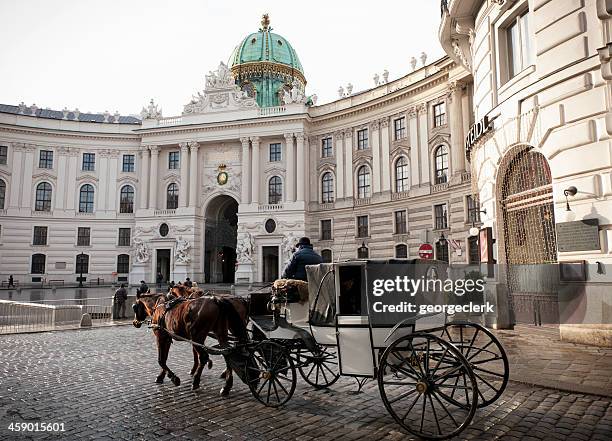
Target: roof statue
{"x":151,"y":112}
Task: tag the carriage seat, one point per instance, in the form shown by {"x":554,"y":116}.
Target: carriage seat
{"x":289,"y":291}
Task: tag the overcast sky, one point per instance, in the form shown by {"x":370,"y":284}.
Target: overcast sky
{"x":115,"y":55}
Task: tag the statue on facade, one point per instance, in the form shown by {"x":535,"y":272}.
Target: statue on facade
{"x":141,"y":250}
{"x":288,"y":246}
{"x":376,"y":80}
{"x":151,"y":112}
{"x":245,"y":249}
{"x":385,"y":76}
{"x":181,"y":253}
{"x":413,"y":63}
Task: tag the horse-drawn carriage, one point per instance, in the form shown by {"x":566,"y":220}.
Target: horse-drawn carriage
{"x":432,"y":373}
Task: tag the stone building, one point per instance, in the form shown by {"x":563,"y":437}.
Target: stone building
{"x":222,"y":192}
{"x":541,"y":154}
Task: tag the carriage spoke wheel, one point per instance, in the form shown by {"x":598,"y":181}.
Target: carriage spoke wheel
{"x":271,"y":374}
{"x":486,"y":356}
{"x":320,"y":369}
{"x":416,"y":374}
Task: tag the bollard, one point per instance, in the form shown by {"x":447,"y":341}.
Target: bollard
{"x":85,"y":320}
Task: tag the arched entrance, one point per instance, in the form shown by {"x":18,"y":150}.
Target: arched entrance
{"x":221,"y":229}
{"x":529,"y":237}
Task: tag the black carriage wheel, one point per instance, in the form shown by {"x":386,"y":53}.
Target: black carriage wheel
{"x":320,"y":369}
{"x":486,"y":357}
{"x":271,"y":374}
{"x":415,"y":375}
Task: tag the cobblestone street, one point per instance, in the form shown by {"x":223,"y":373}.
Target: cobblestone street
{"x":100,"y":383}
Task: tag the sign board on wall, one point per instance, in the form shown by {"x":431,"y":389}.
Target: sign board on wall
{"x":582,"y":235}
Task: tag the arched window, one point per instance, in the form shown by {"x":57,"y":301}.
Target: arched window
{"x":363,"y":182}
{"x":38,"y":264}
{"x":441,"y":162}
{"x":2,"y":193}
{"x":123,"y":263}
{"x":401,"y":175}
{"x":126,"y":199}
{"x":82,"y":264}
{"x":401,"y":251}
{"x":327,"y":188}
{"x":275,"y":190}
{"x":43,"y":197}
{"x":86,"y":199}
{"x":326,"y":255}
{"x":172,"y":196}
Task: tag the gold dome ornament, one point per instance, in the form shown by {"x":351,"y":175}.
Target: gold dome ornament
{"x":222,"y":176}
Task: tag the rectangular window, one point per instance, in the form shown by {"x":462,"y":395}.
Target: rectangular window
{"x":275,"y":152}
{"x":124,"y":237}
{"x":40,"y":236}
{"x":362,"y":139}
{"x":327,"y":149}
{"x":123,"y":263}
{"x":3,"y":154}
{"x":441,"y":218}
{"x":83,"y":236}
{"x":439,"y":111}
{"x":473,"y":210}
{"x":326,"y":229}
{"x":45,"y":159}
{"x":399,"y":128}
{"x":174,"y":160}
{"x":518,"y":45}
{"x":128,"y":163}
{"x":89,"y":161}
{"x":362,"y":226}
{"x":400,"y":222}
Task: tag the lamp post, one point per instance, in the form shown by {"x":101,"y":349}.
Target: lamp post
{"x":363,"y":251}
{"x":81,"y":269}
{"x":569,"y":214}
{"x":475,"y":231}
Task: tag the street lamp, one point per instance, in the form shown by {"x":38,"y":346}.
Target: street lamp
{"x":363,"y":251}
{"x":569,"y":214}
{"x":81,"y":269}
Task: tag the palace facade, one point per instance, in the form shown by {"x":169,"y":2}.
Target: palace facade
{"x":222,"y":192}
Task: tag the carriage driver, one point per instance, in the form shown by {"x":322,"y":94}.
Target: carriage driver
{"x":305,"y":255}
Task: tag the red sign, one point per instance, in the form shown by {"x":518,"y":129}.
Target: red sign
{"x":426,"y":251}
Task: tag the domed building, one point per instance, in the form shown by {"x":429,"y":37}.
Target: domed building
{"x":265,"y":65}
{"x":222,"y":192}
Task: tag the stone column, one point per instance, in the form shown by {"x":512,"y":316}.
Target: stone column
{"x":101,"y":190}
{"x":255,"y":172}
{"x":113,"y":169}
{"x":62,"y":165}
{"x":193,"y":173}
{"x":15,"y":195}
{"x":144,"y":177}
{"x":154,"y":184}
{"x":184,"y":163}
{"x":456,"y":128}
{"x":246,"y":171}
{"x":300,"y":167}
{"x":385,"y":161}
{"x":374,"y":138}
{"x":348,"y":173}
{"x":423,"y":135}
{"x":339,"y":165}
{"x":415,"y":158}
{"x":290,"y":161}
{"x":28,"y":171}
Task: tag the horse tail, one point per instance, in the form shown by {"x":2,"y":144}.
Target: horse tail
{"x":236,"y":325}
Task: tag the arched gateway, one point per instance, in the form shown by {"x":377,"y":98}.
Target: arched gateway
{"x":529,"y":236}
{"x":220,"y":233}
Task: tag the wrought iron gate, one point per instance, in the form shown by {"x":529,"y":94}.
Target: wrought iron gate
{"x":530,"y":239}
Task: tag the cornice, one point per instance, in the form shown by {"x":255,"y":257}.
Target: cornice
{"x":63,"y":134}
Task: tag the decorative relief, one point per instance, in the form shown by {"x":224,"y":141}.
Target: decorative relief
{"x":374,"y":125}
{"x":211,"y":180}
{"x":141,"y":251}
{"x":421,"y":108}
{"x":220,"y":93}
{"x":348,"y":134}
{"x":384,"y":122}
{"x":245,"y":248}
{"x":412,"y":112}
{"x":182,"y":251}
{"x":221,"y":153}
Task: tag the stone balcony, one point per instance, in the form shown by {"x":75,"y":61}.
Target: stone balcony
{"x":165,"y":212}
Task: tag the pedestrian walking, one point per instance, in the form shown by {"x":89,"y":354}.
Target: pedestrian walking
{"x":11,"y":283}
{"x":119,"y":302}
{"x":159,"y":279}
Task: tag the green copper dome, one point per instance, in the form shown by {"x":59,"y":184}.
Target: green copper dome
{"x":264,"y":64}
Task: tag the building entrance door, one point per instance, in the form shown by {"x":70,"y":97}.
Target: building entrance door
{"x":270,"y":263}
{"x":221,"y":232}
{"x":163,"y":264}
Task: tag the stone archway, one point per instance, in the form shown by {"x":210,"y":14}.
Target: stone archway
{"x":529,"y":236}
{"x":220,"y":234}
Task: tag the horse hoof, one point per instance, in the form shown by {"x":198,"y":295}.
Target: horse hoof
{"x":209,"y":364}
{"x":159,"y":380}
{"x":176,"y":381}
{"x":195,"y":386}
{"x":224,"y":392}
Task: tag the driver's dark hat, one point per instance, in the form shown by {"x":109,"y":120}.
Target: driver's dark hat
{"x":303,"y":241}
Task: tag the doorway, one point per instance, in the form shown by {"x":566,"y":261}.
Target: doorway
{"x":163,"y":264}
{"x":270,"y":263}
{"x":221,"y":233}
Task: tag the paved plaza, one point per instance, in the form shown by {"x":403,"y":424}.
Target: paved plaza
{"x":100,"y":383}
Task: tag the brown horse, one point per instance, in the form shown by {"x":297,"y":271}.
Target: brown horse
{"x":193,"y":320}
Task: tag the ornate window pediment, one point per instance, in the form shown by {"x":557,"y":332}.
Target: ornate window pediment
{"x":87,"y":177}
{"x":439,"y":138}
